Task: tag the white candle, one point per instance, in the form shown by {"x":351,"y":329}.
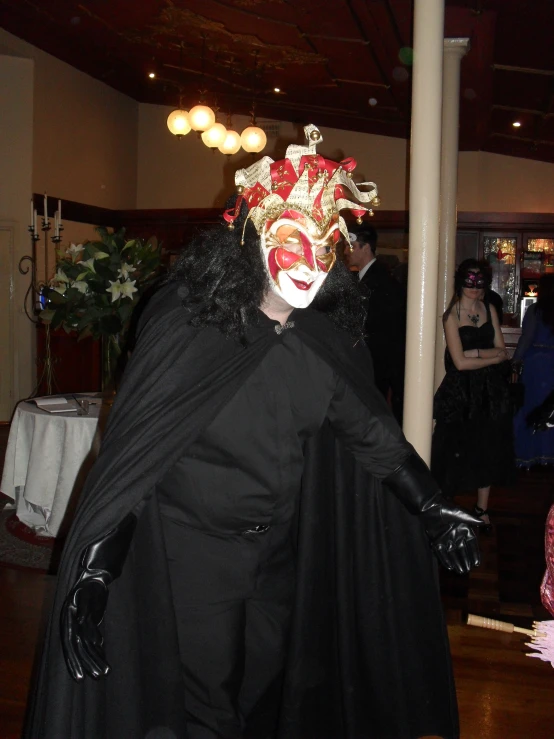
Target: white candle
{"x":35,"y":222}
{"x":32,"y":223}
{"x":45,"y":209}
{"x":59,"y":213}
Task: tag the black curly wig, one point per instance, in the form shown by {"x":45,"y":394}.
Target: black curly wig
{"x":227,"y":281}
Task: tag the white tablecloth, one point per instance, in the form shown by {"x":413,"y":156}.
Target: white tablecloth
{"x":47,"y":459}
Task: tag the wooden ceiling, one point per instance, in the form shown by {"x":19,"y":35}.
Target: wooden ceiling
{"x":339,"y":63}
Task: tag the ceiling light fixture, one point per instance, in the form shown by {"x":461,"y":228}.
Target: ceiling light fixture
{"x":214,"y":136}
{"x":178,"y":123}
{"x":231,"y":144}
{"x":276,"y":89}
{"x":151,"y":75}
{"x":253,"y":139}
{"x":516,"y":124}
{"x":201,"y":117}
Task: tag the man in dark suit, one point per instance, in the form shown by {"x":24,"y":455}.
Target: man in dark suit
{"x":385,"y":326}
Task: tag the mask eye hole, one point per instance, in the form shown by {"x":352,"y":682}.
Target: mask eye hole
{"x":287,"y":237}
{"x":324,"y":249}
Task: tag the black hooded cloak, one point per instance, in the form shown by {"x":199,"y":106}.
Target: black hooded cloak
{"x":368,"y":656}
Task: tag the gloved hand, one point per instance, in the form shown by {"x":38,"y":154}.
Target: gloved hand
{"x":84,"y":608}
{"x":449,"y":528}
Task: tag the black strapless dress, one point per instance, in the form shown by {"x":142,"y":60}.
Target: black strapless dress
{"x":473,"y":438}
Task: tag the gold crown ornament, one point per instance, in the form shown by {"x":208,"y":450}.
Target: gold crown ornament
{"x":303,"y":182}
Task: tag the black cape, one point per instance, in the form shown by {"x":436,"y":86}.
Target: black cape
{"x":368,"y":656}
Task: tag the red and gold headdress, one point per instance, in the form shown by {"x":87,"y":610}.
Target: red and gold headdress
{"x":304,"y":182}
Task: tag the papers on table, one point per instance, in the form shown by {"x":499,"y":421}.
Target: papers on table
{"x":78,"y":403}
{"x":57,"y":404}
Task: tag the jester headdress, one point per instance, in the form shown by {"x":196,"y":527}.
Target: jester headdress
{"x":303,"y":182}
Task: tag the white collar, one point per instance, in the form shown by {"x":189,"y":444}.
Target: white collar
{"x":362,"y":272}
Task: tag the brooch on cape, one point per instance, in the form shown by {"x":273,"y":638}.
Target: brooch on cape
{"x":280,"y":328}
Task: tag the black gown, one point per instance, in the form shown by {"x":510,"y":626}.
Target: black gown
{"x":367,"y":652}
{"x":473,"y":438}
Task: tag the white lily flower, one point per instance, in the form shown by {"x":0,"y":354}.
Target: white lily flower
{"x":89,"y":264}
{"x":74,"y":250}
{"x":128,"y":288}
{"x":60,"y":276}
{"x":126,"y":270}
{"x":80,"y":285}
{"x":59,"y":282}
{"x":114,"y":289}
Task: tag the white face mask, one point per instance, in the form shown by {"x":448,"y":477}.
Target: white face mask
{"x":298,"y":256}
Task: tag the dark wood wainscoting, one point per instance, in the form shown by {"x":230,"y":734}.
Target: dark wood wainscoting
{"x":76,"y":364}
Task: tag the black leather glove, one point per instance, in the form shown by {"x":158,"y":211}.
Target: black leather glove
{"x":84,"y":608}
{"x":542,"y":417}
{"x":449,"y":528}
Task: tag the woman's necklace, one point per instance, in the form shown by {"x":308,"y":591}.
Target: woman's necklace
{"x":473,"y":317}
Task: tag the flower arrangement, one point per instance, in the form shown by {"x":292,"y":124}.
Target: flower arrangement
{"x":97,"y":285}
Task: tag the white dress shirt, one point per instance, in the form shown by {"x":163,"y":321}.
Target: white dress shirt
{"x":362,"y":272}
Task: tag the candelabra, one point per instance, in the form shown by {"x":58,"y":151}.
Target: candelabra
{"x":36,"y":293}
{"x":34,"y":297}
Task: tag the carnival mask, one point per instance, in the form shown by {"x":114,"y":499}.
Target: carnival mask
{"x":298,"y":255}
{"x":294,"y":205}
{"x":474,"y":281}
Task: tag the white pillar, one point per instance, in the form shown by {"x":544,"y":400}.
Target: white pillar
{"x":454,"y":50}
{"x":424,"y":223}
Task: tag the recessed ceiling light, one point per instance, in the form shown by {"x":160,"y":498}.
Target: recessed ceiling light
{"x":276,"y":89}
{"x":152,"y":75}
{"x":516,"y":124}
{"x":372,"y":101}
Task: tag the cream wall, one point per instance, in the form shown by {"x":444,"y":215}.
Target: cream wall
{"x":84,"y":133}
{"x":492,"y":182}
{"x":70,"y":135}
{"x":184,"y":173}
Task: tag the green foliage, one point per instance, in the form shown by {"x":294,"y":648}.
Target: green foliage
{"x":97,"y":284}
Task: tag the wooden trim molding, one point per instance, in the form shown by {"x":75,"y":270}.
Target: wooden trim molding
{"x":397,"y":219}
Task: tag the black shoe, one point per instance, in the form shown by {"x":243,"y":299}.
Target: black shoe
{"x":480,"y":512}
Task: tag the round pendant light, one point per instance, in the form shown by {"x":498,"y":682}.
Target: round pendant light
{"x":215,"y":135}
{"x":178,"y":123}
{"x":201,"y":118}
{"x":231,"y":144}
{"x":253,"y":139}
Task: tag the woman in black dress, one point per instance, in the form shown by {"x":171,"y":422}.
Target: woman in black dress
{"x":473,"y":438}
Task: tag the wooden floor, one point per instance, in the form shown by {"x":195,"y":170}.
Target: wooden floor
{"x":502,"y":693}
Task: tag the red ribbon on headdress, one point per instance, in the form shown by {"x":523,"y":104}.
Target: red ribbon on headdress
{"x":349,"y":164}
{"x":231,"y":214}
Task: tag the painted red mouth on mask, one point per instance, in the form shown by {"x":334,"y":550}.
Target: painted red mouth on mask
{"x":301,"y":285}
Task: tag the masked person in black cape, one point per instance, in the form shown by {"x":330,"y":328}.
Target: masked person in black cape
{"x":253,"y":555}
